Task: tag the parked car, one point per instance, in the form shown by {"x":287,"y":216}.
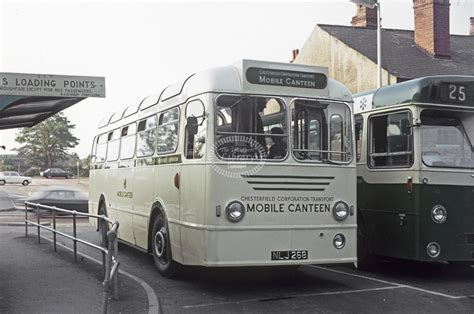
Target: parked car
{"x":61,"y":197}
{"x":14,"y":178}
{"x":6,"y":202}
{"x":56,"y":173}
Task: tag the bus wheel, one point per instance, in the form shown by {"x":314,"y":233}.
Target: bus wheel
{"x":161,"y":248}
{"x":365,"y":260}
{"x":103,"y":227}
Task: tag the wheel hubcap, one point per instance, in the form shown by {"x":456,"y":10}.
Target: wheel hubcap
{"x":160,"y":242}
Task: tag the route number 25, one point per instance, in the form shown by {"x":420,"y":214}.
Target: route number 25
{"x":457,"y":92}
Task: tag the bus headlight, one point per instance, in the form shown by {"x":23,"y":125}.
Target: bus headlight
{"x":235,"y":211}
{"x":340,"y":211}
{"x":339,"y":241}
{"x":433,"y":249}
{"x":439,"y":214}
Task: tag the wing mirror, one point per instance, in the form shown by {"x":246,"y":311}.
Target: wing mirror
{"x":405,"y":126}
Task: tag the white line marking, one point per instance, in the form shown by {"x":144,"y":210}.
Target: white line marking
{"x":291,"y":296}
{"x":153,"y":303}
{"x":389,"y":282}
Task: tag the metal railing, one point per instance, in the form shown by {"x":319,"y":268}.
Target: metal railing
{"x":110,"y":260}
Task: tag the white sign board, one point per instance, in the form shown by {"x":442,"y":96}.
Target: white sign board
{"x":21,"y":84}
{"x":363,"y":103}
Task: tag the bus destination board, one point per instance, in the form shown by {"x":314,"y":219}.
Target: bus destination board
{"x":453,"y":93}
{"x":276,"y":77}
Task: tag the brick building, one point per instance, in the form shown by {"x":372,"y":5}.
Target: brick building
{"x":350,"y":52}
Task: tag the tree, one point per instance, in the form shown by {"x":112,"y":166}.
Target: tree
{"x":47,"y":142}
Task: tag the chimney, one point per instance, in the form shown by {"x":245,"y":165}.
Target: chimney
{"x":294,"y":53}
{"x":365,"y":17}
{"x":472,"y":26}
{"x":432,"y":26}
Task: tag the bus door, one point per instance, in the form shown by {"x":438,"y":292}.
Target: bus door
{"x":123,"y":181}
{"x":192,"y":180}
{"x":389,"y":212}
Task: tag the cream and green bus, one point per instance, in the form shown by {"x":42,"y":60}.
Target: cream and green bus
{"x":415,"y":170}
{"x":244,"y":165}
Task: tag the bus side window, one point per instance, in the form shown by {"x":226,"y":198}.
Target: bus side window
{"x":195,"y":144}
{"x":127,"y":141}
{"x":101,"y":148}
{"x":113,"y":145}
{"x":359,"y":131}
{"x":391,"y":144}
{"x":168,"y":127}
{"x":94,"y":149}
{"x":146,"y":137}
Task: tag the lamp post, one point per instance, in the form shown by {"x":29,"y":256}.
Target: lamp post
{"x":77,"y":164}
{"x":372,"y":4}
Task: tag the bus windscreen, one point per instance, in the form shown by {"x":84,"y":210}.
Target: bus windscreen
{"x":444,"y":140}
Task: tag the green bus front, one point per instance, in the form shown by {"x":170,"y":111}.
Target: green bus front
{"x":416,"y":182}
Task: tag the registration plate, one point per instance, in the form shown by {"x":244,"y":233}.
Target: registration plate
{"x":289,"y":255}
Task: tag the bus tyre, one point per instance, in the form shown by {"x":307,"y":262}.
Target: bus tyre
{"x":160,"y":244}
{"x":365,"y":260}
{"x":103,"y":227}
{"x":2,"y":182}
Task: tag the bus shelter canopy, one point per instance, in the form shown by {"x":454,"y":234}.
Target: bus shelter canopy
{"x":27,"y":99}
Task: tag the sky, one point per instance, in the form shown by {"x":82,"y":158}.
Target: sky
{"x":140,"y":47}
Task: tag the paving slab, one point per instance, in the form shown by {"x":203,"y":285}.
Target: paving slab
{"x":35,"y":279}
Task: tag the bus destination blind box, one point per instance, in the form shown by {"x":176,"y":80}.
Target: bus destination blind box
{"x":454,"y":93}
{"x":286,"y":78}
{"x":282,"y":79}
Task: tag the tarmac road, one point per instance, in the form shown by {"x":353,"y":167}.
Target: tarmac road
{"x":392,"y":287}
{"x":395,"y":286}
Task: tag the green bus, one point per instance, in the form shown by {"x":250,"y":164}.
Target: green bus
{"x":415,"y":170}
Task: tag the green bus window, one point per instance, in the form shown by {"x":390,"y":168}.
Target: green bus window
{"x":444,"y":138}
{"x":391,"y":140}
{"x":359,"y":131}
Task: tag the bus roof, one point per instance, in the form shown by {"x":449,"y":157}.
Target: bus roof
{"x":245,"y":76}
{"x":455,"y":90}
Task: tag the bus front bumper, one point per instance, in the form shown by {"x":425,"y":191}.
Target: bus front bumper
{"x":273,"y":247}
